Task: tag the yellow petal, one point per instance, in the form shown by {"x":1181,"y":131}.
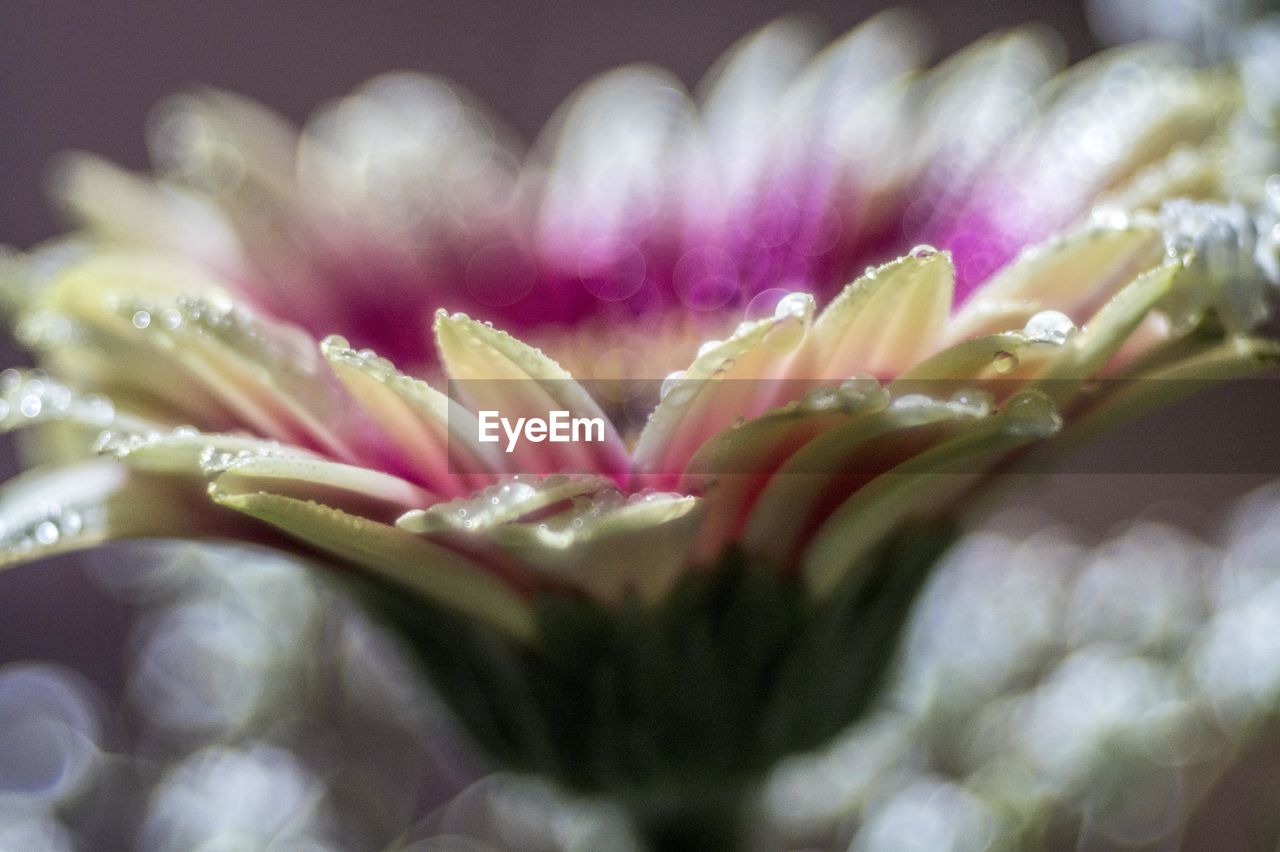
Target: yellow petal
{"x":501,"y":503}
{"x":918,"y":486}
{"x":179,"y":451}
{"x":730,"y":380}
{"x":883,"y":322}
{"x":610,"y":545}
{"x":162,"y":329}
{"x":392,"y":554}
{"x":491,"y":370}
{"x":54,"y":509}
{"x":437,"y":437}
{"x":848,"y":456}
{"x":733,"y":466}
{"x":1075,"y":274}
{"x":355,"y":490}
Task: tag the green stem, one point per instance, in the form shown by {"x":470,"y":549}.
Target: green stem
{"x":705,"y":820}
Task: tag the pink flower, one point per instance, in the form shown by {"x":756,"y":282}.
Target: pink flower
{"x":642,"y":235}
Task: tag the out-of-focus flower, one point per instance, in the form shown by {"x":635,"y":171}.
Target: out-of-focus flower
{"x":675,"y":609}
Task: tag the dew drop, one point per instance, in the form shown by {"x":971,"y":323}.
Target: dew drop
{"x":821,"y":399}
{"x":1032,"y":413}
{"x":972,"y":402}
{"x":1004,"y":362}
{"x":913,"y":402}
{"x":922,"y":252}
{"x":30,"y":406}
{"x":72,"y":523}
{"x":1050,"y":327}
{"x":47,"y":533}
{"x":798,"y":305}
{"x":141,"y":319}
{"x":860,"y":385}
{"x":708,"y":347}
{"x":1109,"y":217}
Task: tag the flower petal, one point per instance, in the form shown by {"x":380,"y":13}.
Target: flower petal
{"x":820,"y":474}
{"x":70,"y":507}
{"x":241,"y":463}
{"x":964,"y":363}
{"x":1089,"y":351}
{"x":151,"y":335}
{"x":436,"y":436}
{"x":1073,"y":274}
{"x":179,"y":451}
{"x":610,"y":545}
{"x":355,"y":490}
{"x":733,"y":466}
{"x":492,"y":370}
{"x":137,"y":211}
{"x":505,"y":502}
{"x":883,"y":322}
{"x":728,"y":380}
{"x":1159,"y":381}
{"x":393,"y":554}
{"x":918,"y":486}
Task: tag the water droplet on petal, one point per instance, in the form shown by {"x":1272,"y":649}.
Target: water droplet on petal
{"x":923,"y":251}
{"x":141,"y":319}
{"x":47,"y":533}
{"x":798,"y":305}
{"x":1050,"y":327}
{"x":972,"y":402}
{"x":1109,"y":217}
{"x":709,"y":346}
{"x":71,"y":522}
{"x":913,"y":401}
{"x":1032,"y":413}
{"x":860,"y":385}
{"x":821,"y":399}
{"x":1004,"y":362}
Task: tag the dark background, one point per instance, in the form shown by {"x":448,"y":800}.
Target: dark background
{"x":84,"y":75}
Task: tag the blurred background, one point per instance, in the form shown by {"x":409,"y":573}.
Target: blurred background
{"x":202,"y":700}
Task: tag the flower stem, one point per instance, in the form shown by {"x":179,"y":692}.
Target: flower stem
{"x":704,"y":819}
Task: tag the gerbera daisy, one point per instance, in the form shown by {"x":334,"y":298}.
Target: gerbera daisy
{"x":256,"y":344}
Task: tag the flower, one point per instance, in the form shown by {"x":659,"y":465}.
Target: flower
{"x":721,"y":587}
